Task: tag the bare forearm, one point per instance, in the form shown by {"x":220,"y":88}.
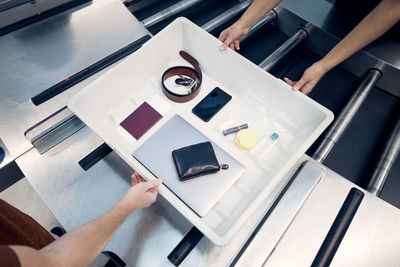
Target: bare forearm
{"x":384,"y":16}
{"x":82,"y":245}
{"x":257,"y":10}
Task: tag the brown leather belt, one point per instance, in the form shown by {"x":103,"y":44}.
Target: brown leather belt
{"x":193,"y":83}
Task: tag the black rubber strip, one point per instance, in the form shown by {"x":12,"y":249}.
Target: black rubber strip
{"x":83,"y":74}
{"x":338,"y":229}
{"x":95,"y":156}
{"x":41,"y":15}
{"x":10,"y":174}
{"x":115,"y":260}
{"x":185,"y":246}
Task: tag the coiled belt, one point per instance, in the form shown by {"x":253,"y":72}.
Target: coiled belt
{"x":190,"y":78}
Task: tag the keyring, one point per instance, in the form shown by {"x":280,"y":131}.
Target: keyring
{"x":180,"y":83}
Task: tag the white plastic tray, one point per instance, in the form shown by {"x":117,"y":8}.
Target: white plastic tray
{"x":266,"y":103}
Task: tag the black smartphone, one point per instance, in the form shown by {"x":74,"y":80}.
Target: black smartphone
{"x":211,"y":104}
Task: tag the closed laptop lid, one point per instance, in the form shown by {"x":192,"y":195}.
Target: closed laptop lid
{"x":200,"y":193}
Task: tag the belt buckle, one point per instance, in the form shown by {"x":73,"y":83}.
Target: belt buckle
{"x":186,"y":82}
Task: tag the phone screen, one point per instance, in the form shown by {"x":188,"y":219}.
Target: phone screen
{"x":211,"y":104}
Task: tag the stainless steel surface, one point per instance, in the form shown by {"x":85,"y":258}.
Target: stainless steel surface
{"x":146,"y":238}
{"x":282,"y":216}
{"x":373,"y":238}
{"x":386,"y":161}
{"x":56,"y":133}
{"x":76,"y":196}
{"x":207,"y":254}
{"x":47,"y":124}
{"x":25,"y":10}
{"x":227,"y":15}
{"x":44,"y":53}
{"x":168,"y":12}
{"x":327,"y":27}
{"x":7,"y":4}
{"x":149,"y":235}
{"x":346,"y":115}
{"x":47,"y":52}
{"x":285,"y":48}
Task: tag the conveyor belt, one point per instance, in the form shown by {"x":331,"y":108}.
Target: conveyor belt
{"x":357,"y":151}
{"x":200,"y":13}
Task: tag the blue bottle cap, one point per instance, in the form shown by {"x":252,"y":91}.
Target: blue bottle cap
{"x":2,"y":154}
{"x":274,"y":136}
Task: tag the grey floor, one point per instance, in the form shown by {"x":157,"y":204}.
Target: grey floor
{"x":22,"y":196}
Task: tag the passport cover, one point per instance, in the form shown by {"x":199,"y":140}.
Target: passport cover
{"x":141,"y":120}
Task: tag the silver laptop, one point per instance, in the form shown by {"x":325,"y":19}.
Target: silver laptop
{"x":200,"y":193}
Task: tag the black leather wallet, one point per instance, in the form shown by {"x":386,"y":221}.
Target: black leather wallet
{"x":196,"y":160}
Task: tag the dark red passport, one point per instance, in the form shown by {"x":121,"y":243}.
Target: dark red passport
{"x":141,"y":120}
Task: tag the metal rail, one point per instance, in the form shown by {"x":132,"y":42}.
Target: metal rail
{"x":346,"y":115}
{"x":168,"y":12}
{"x":270,"y":17}
{"x":227,"y":15}
{"x":386,"y":161}
{"x":285,"y":48}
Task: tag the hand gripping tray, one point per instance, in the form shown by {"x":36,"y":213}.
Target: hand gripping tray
{"x":267,"y":104}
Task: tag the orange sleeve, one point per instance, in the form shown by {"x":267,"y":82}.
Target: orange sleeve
{"x":8,"y":257}
{"x":17,"y":228}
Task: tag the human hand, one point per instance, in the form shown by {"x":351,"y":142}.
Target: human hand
{"x":142,"y":194}
{"x":232,"y":36}
{"x":310,"y":77}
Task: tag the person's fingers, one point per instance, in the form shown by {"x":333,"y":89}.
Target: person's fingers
{"x":152,"y":190}
{"x":288,"y":81}
{"x":232,"y":46}
{"x":134,"y":178}
{"x":151,"y":196}
{"x":223,"y":47}
{"x":141,"y":180}
{"x":299,"y":84}
{"x":152,"y":184}
{"x":154,"y":197}
{"x":307,"y":87}
{"x":227,"y":42}
{"x":237,"y":47}
{"x":223,"y":35}
{"x":222,"y":38}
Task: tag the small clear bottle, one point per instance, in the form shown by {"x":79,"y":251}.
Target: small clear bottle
{"x":265,"y":145}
